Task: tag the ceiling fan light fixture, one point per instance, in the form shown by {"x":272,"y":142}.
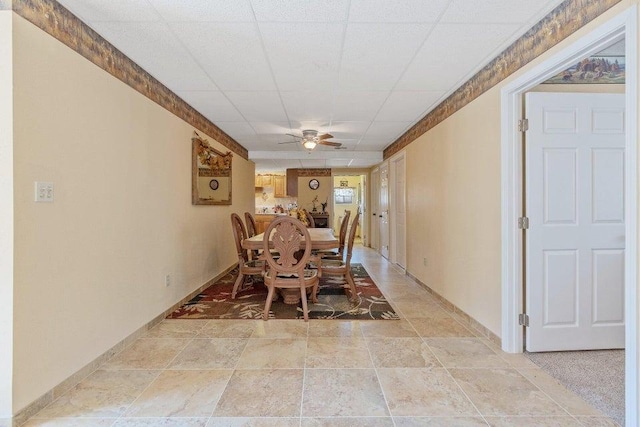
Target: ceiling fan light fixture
{"x":309,"y":144}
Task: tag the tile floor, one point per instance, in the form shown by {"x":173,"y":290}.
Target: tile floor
{"x":426,"y":369}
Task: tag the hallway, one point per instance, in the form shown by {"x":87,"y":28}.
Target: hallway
{"x":426,"y":369}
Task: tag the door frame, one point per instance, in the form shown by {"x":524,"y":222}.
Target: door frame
{"x":393,"y":197}
{"x":374,"y":231}
{"x":622,"y":25}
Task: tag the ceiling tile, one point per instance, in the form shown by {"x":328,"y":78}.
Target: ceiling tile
{"x":113,"y":10}
{"x":396,"y":11}
{"x":204,"y":10}
{"x":158,"y":52}
{"x":407,"y":105}
{"x":373,"y":144}
{"x":304,"y":56}
{"x":338,"y":163}
{"x":258,"y":106}
{"x":231,"y":53}
{"x":362,"y":163}
{"x":300,"y":10}
{"x":348,"y":130}
{"x":473,"y":44}
{"x":308,"y":105}
{"x":211,"y":104}
{"x":386,"y":130}
{"x":313,"y":163}
{"x":271,"y":128}
{"x":237,"y":129}
{"x":375,"y":55}
{"x":357,"y":105}
{"x":491,"y":11}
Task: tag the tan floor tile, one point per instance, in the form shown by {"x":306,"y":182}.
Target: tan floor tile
{"x":268,"y":353}
{"x":597,"y":422}
{"x":210,"y":353}
{"x":417,"y":309}
{"x":439,"y":421}
{"x":224,"y":328}
{"x":359,"y":391}
{"x":570,"y":401}
{"x":161,"y":422}
{"x":388,"y":329}
{"x":436,"y":327}
{"x":337,"y":352}
{"x":533,"y":422}
{"x":67,"y":422}
{"x":101,"y":394}
{"x":254,"y":422}
{"x":181,"y":394}
{"x":501,"y":392}
{"x":334,"y":328}
{"x":423,"y":392}
{"x":262,"y":393}
{"x":517,"y":360}
{"x":401,"y":353}
{"x":176,"y":328}
{"x":464,"y":353}
{"x":147,"y":353}
{"x":348,"y":422}
{"x":281,"y":329}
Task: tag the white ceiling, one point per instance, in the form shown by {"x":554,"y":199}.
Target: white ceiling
{"x":362,"y":70}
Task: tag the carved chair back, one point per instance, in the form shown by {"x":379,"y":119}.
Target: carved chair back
{"x":251,"y":224}
{"x":286,"y":233}
{"x":239,"y":234}
{"x":343,"y":232}
{"x":352,"y":236}
{"x":310,"y":220}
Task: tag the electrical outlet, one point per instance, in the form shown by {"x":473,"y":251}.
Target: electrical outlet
{"x":167,"y":280}
{"x":44,"y":192}
{"x":424,"y":261}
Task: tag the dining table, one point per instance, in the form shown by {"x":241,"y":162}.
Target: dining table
{"x":321,"y":239}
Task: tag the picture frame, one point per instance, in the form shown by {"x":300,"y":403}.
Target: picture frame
{"x":210,"y":173}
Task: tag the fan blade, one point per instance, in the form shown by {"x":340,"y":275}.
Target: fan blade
{"x":330,"y":143}
{"x":289,"y":142}
{"x":325,"y":136}
{"x":295,"y":136}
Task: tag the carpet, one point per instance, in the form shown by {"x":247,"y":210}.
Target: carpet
{"x":597,"y":376}
{"x":215,"y":302}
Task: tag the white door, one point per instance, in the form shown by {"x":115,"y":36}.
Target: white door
{"x":575,"y":204}
{"x":384,"y":210}
{"x":375,"y":209}
{"x":398,"y":206}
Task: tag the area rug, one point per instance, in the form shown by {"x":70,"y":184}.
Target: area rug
{"x":597,"y":376}
{"x":215,"y":302}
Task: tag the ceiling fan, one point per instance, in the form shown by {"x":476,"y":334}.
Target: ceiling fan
{"x":310,"y":139}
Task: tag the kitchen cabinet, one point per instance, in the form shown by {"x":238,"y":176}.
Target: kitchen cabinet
{"x":262,"y":222}
{"x":279,"y":188}
{"x":292,"y":182}
{"x":264,"y":180}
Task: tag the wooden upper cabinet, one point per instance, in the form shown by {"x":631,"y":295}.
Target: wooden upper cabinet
{"x":264,"y":181}
{"x":292,"y":182}
{"x":279,"y":188}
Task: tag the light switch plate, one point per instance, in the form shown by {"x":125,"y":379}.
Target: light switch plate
{"x":44,"y":192}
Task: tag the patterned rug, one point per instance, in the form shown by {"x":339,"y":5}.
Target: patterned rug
{"x":215,"y":302}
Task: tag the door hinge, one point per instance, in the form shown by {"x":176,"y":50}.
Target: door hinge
{"x":523,"y":223}
{"x":523,"y":319}
{"x":523,"y":125}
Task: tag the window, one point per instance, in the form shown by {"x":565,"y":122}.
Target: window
{"x":344,"y":196}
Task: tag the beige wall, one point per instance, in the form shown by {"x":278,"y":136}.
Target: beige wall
{"x":6,"y":216}
{"x":90,"y":267}
{"x":578,"y":88}
{"x":453,"y":196}
{"x":306,"y":195}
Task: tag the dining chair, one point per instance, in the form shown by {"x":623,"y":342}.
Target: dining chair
{"x":246,"y":265}
{"x":288,"y":271}
{"x":342,"y":239}
{"x":310,"y":220}
{"x":342,"y":267}
{"x":251,"y":230}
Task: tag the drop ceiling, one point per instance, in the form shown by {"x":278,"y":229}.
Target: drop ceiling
{"x":363,"y":70}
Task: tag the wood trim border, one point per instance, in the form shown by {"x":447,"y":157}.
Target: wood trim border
{"x":60,"y":23}
{"x":559,"y":24}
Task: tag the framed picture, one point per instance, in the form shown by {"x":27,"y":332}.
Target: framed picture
{"x":210,"y":174}
{"x":593,"y":70}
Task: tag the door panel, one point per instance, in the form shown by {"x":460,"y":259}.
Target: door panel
{"x":575,"y":204}
{"x":384,"y":210}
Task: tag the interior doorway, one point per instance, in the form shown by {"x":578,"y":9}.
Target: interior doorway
{"x":349,"y":193}
{"x":513,"y":239}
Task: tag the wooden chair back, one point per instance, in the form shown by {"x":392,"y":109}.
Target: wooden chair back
{"x":239,"y":234}
{"x":352,"y":236}
{"x":285,"y":234}
{"x":251,"y":224}
{"x":344,"y":225}
{"x":310,"y":220}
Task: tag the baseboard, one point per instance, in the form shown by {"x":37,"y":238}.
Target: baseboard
{"x":459,"y":314}
{"x":34,"y":407}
